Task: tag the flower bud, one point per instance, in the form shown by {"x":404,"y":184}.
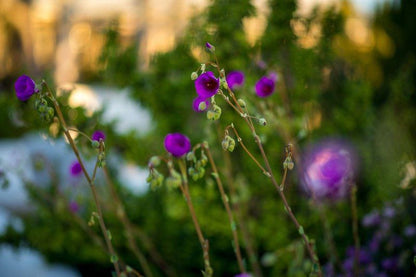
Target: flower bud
{"x":228,"y":143}
{"x":202,"y":106}
{"x":95,"y":144}
{"x":288,"y":163}
{"x":194,"y":76}
{"x":262,"y":121}
{"x":203,"y":67}
{"x":155,"y":161}
{"x":242,"y":103}
{"x":209,"y":47}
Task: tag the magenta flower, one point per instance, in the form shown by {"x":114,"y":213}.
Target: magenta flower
{"x":75,"y":169}
{"x":197,"y":101}
{"x":25,"y":87}
{"x":207,"y":85}
{"x":328,"y":170}
{"x":177,"y":144}
{"x":235,"y":79}
{"x":265,"y":86}
{"x":97,"y":135}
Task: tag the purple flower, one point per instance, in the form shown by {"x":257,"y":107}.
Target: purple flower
{"x":265,"y":86}
{"x":410,"y":231}
{"x":207,"y":85}
{"x":197,"y":101}
{"x":235,"y":79}
{"x":25,"y":87}
{"x":209,"y":47}
{"x":75,"y":168}
{"x":243,"y":275}
{"x":390,"y":264}
{"x":177,"y":144}
{"x":97,"y":135}
{"x":328,"y":170}
{"x":371,"y":219}
{"x":73,"y":207}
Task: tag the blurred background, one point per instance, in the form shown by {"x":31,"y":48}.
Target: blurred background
{"x":346,"y":69}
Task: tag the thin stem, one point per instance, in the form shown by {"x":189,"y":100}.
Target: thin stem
{"x":128,"y":225}
{"x":87,"y":176}
{"x":204,"y":242}
{"x":308,"y":244}
{"x":240,"y":140}
{"x":355,"y":230}
{"x":250,"y":249}
{"x":225,"y":201}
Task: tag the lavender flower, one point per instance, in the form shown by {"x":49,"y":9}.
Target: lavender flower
{"x":207,"y":85}
{"x":97,"y":135}
{"x":177,"y":144}
{"x":410,"y":231}
{"x":75,"y":169}
{"x":328,"y":169}
{"x":243,"y":275}
{"x":197,"y":106}
{"x":25,"y":87}
{"x":235,"y":79}
{"x":371,"y":219}
{"x":265,"y":86}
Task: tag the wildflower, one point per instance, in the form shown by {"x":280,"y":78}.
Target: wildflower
{"x":243,"y":275}
{"x":265,"y":86}
{"x":73,"y":207}
{"x":328,"y":170}
{"x":209,"y":47}
{"x":97,"y":135}
{"x":410,"y":231}
{"x":25,"y":87}
{"x":177,"y":144}
{"x":200,"y":104}
{"x":207,"y":85}
{"x":235,"y":79}
{"x":371,"y":219}
{"x":75,"y":168}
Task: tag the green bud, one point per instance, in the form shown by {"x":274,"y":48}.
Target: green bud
{"x":204,"y":159}
{"x":50,"y":112}
{"x":288,"y":163}
{"x":262,"y":121}
{"x":190,"y":156}
{"x":242,"y":103}
{"x":228,"y":143}
{"x":217,"y":112}
{"x":95,"y":144}
{"x":225,"y":143}
{"x":191,"y":171}
{"x":210,"y":115}
{"x":201,"y":172}
{"x":42,"y":109}
{"x":223,"y":83}
{"x":155,"y":161}
{"x":232,"y":145}
{"x":194,"y":76}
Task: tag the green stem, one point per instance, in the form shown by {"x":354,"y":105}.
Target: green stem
{"x":355,"y":230}
{"x":225,"y":201}
{"x":204,"y":242}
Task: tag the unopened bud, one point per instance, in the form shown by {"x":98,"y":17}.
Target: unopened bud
{"x":194,"y":76}
{"x":203,"y":67}
{"x":242,"y":103}
{"x":262,"y":121}
{"x":202,"y":106}
{"x":155,"y":161}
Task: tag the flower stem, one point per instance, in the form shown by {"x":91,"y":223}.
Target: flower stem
{"x":225,"y":201}
{"x":128,"y":225}
{"x":355,"y":230}
{"x":308,"y":244}
{"x":103,"y":227}
{"x":204,"y":242}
